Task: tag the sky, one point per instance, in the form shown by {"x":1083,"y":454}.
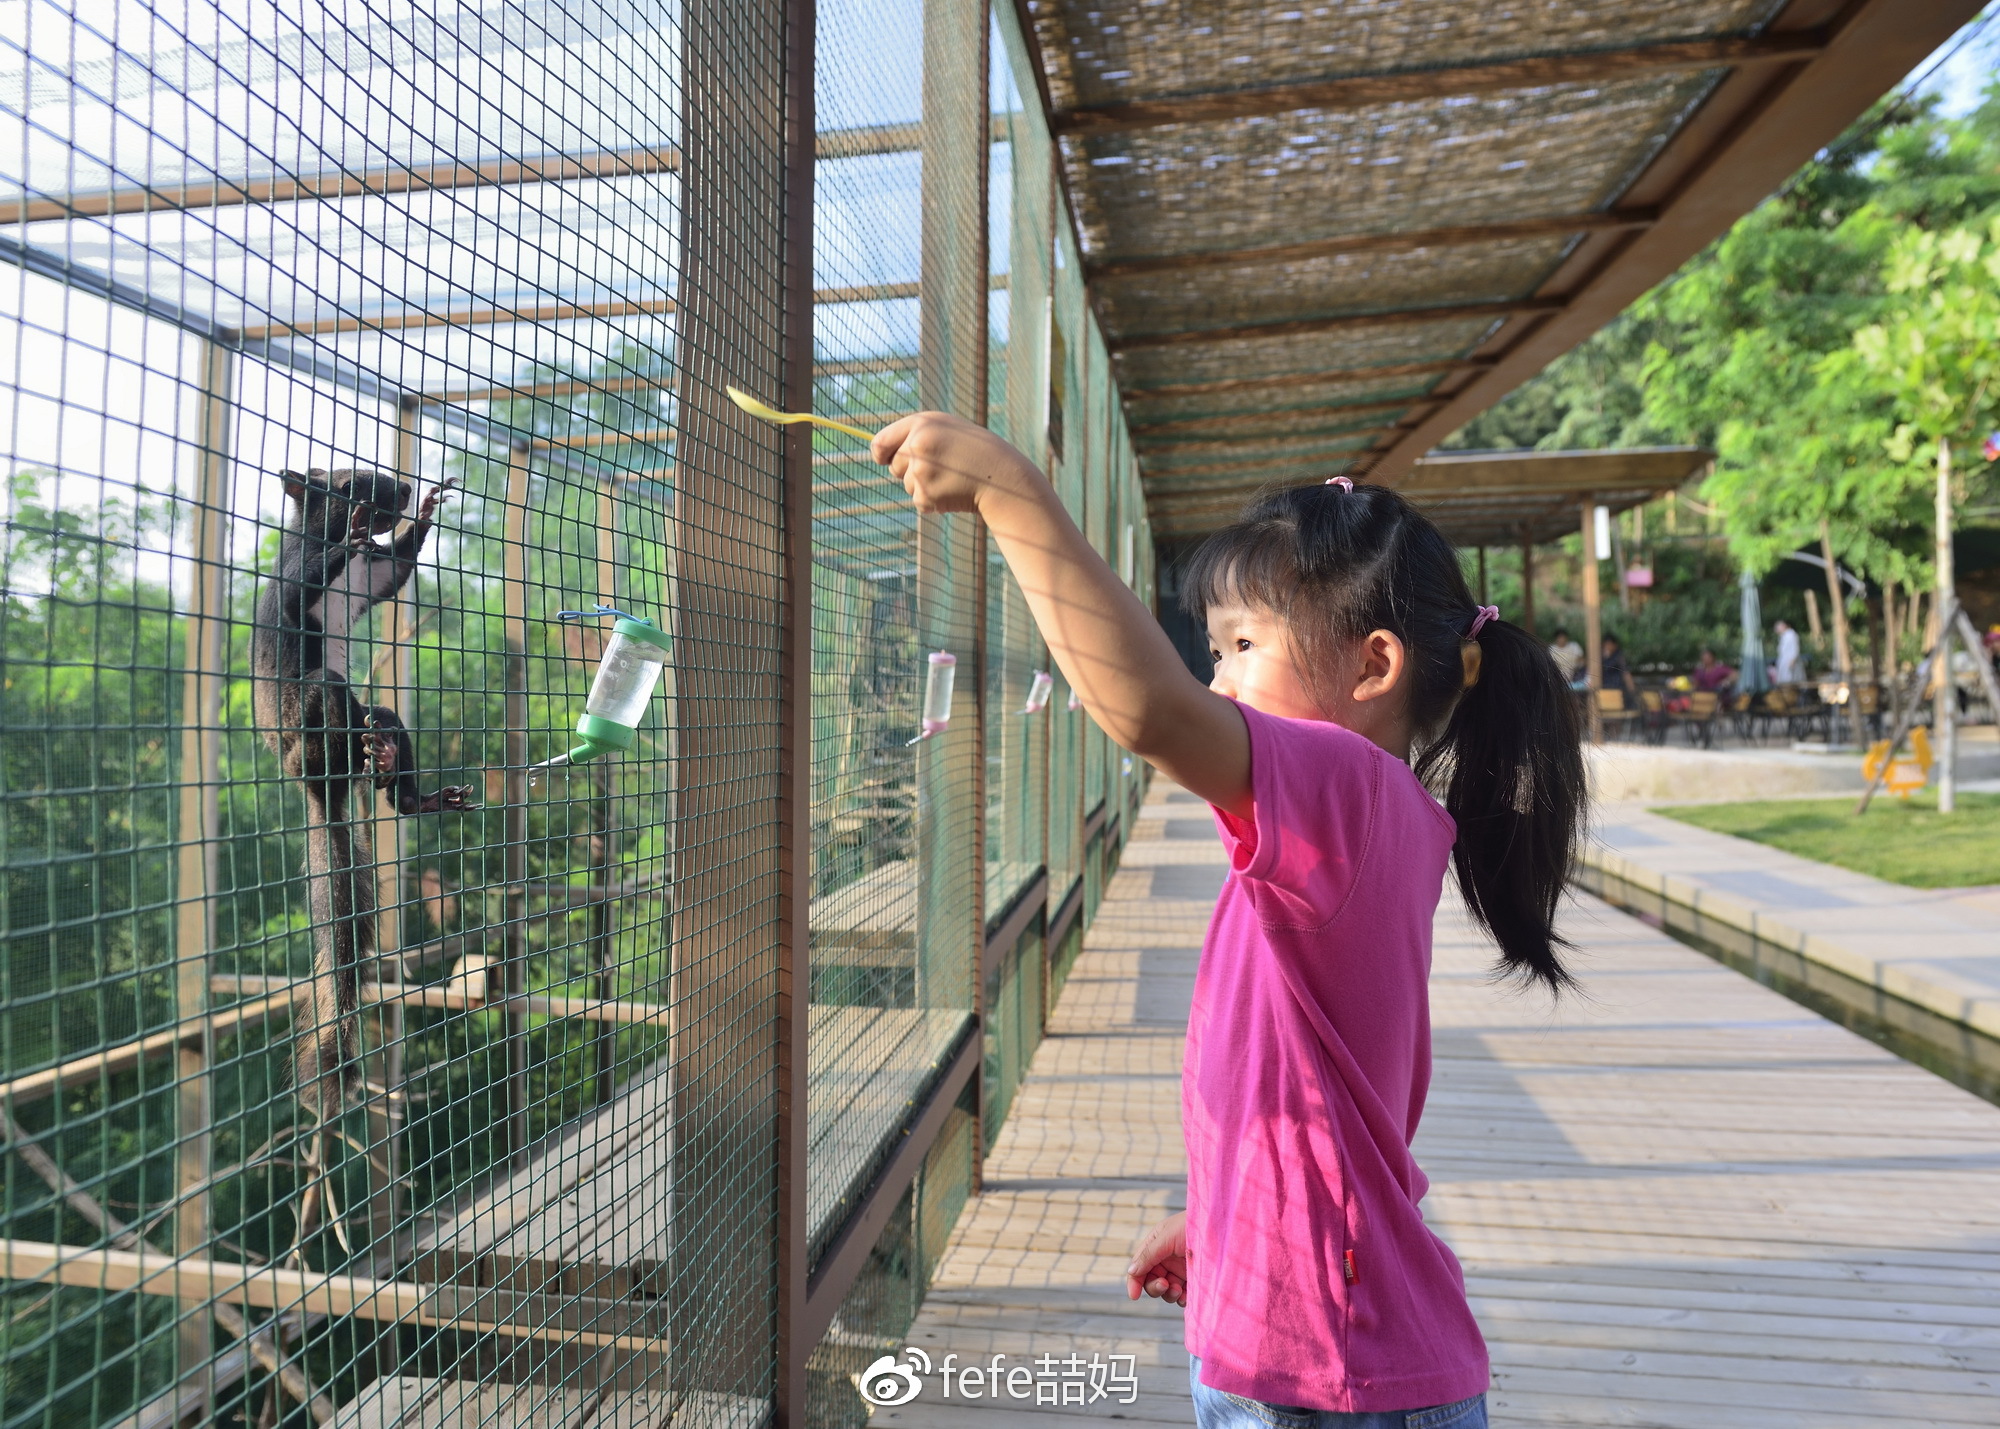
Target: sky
{"x":1964,"y":71}
{"x":106,"y":398}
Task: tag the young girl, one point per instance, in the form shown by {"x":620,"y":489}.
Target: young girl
{"x":1352,"y":668}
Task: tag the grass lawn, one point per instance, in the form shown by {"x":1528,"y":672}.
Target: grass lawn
{"x":1903,"y":841}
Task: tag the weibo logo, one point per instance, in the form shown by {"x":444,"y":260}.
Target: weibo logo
{"x":887,"y":1382}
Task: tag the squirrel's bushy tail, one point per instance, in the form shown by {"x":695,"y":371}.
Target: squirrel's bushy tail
{"x":340,"y":893}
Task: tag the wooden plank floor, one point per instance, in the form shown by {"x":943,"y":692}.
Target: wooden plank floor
{"x":1681,"y":1200}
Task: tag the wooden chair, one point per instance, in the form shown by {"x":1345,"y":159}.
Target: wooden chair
{"x":1611,"y":710}
{"x":1781,"y":707}
{"x":1743,"y":713}
{"x":1653,"y":716}
{"x":1868,"y":706}
{"x":1699,"y":717}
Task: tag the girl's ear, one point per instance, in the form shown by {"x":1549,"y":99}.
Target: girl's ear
{"x":1384,"y":658}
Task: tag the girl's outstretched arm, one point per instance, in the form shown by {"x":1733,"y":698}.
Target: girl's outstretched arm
{"x":1108,"y":645}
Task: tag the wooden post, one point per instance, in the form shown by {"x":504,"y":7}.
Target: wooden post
{"x":514,"y":851}
{"x":1618,"y":563}
{"x":1944,"y":712}
{"x":950,"y":549}
{"x":1528,"y":587}
{"x":735,"y":1013}
{"x":395,"y":628}
{"x":604,"y":815}
{"x":1844,"y":715}
{"x":1593,"y":620}
{"x":1892,"y":629}
{"x":795,"y":775}
{"x":199,"y":838}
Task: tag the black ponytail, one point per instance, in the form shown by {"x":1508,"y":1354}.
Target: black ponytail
{"x":1504,"y":755}
{"x":1510,"y":771}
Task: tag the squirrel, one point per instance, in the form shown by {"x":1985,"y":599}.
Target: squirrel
{"x":330,"y":572}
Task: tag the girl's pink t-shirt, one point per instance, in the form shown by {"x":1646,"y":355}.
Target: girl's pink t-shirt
{"x":1312,"y":1278}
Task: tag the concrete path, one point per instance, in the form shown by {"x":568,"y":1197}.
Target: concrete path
{"x":1938,"y":948}
{"x":1681,"y":1200}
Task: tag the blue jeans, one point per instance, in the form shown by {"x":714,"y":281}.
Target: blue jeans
{"x":1214,"y":1409}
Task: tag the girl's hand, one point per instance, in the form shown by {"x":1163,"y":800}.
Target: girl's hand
{"x":949,"y":464}
{"x":1159,"y":1262}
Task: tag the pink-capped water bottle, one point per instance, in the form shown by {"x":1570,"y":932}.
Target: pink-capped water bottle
{"x":938,"y":680}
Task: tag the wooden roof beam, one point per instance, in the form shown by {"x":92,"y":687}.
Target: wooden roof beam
{"x":1302,"y":379}
{"x":1392,"y":317}
{"x":1450,"y":81}
{"x":557,"y":387}
{"x":1226,"y":422}
{"x":1466,"y":235}
{"x":1745,"y":140}
{"x":417,"y":178}
{"x":464,"y":317}
{"x":403,"y":179}
{"x":1156,"y":482}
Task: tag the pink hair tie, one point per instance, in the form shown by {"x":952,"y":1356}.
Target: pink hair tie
{"x":1340,"y":481}
{"x":1486,"y":613}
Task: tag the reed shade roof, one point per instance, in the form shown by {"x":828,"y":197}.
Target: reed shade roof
{"x":1498,"y":498}
{"x":1322,"y":237}
{"x":1507,"y":498}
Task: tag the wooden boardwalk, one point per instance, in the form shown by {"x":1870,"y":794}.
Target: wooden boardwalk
{"x":1685,"y":1201}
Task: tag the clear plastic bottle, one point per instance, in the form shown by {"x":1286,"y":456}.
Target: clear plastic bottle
{"x":626,"y":678}
{"x":938,"y":680}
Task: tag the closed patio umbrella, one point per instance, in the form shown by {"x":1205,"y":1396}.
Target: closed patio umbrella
{"x":1751,"y":676}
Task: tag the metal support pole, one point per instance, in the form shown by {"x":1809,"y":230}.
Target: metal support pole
{"x":200,"y":832}
{"x":1593,"y":619}
{"x":1944,"y":712}
{"x":514,"y":943}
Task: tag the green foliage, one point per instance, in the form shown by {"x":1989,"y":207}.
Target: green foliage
{"x":1821,"y":347}
{"x":91,"y":687}
{"x":1903,"y":841}
{"x":1590,"y":397}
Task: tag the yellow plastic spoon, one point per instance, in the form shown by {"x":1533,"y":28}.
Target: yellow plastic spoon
{"x":772,"y":414}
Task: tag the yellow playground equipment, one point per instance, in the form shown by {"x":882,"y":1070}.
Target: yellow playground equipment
{"x":1905,"y":776}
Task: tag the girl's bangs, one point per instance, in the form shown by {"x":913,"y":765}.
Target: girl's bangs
{"x":1252,"y":563}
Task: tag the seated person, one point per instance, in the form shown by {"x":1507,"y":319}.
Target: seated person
{"x":1570,"y":659}
{"x":1617,"y":676}
{"x":1710,"y":673}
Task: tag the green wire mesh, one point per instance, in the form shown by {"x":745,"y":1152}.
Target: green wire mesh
{"x":514,"y":251}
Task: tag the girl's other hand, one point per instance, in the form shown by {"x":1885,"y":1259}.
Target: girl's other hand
{"x":1159,"y":1263}
{"x":949,"y":464}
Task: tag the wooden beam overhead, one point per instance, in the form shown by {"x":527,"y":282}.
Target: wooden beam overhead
{"x":465,"y":317}
{"x":557,"y":387}
{"x":1463,"y":236}
{"x":1745,"y":140}
{"x":1344,"y":322}
{"x":1149,"y":479}
{"x":418,"y":178}
{"x":1226,"y":422}
{"x":1302,"y":379}
{"x":1407,"y":86}
{"x":866,"y":293}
